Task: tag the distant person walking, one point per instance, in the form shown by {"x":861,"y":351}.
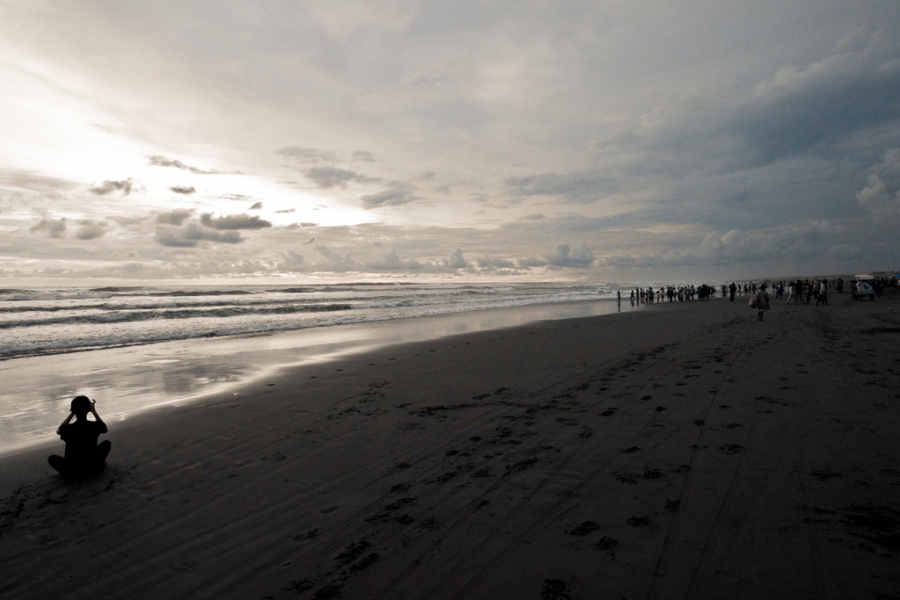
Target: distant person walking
{"x":84,"y":456}
{"x":792,"y":293}
{"x":732,"y":289}
{"x":823,"y":294}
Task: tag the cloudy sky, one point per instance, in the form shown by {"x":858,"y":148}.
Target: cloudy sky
{"x":595,"y":140}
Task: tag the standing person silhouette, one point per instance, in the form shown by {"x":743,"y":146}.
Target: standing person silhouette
{"x":84,"y":456}
{"x":762,"y":302}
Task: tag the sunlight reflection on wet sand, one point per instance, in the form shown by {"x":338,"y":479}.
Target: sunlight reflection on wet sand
{"x":37,"y":390}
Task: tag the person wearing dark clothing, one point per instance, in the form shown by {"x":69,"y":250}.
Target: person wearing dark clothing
{"x":732,"y":289}
{"x":84,"y":456}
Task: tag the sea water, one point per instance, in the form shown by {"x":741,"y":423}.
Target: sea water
{"x":51,"y":321}
{"x":138,"y":348}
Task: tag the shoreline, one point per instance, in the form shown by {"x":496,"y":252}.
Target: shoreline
{"x":131,"y":380}
{"x":690,"y":451}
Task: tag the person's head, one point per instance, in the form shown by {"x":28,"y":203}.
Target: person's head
{"x":81,"y":406}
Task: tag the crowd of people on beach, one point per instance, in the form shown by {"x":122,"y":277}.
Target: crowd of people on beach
{"x":671,"y":293}
{"x":799,"y":291}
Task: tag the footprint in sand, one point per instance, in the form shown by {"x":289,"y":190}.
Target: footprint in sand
{"x":652,"y":473}
{"x":302,"y":537}
{"x":445,"y":477}
{"x":332,"y":590}
{"x":352,"y":552}
{"x":399,"y":504}
{"x":638,"y":521}
{"x":607,"y":543}
{"x":329,"y":510}
{"x":299,"y":586}
{"x":584,"y":529}
{"x":732,"y":448}
{"x":364,"y":563}
{"x":555,"y":589}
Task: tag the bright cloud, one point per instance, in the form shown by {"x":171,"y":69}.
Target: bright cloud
{"x":586,"y":140}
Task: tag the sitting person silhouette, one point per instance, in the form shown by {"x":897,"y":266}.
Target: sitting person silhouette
{"x":84,"y":456}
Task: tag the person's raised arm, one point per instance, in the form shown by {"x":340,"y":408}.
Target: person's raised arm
{"x":64,"y":423}
{"x":96,"y":416}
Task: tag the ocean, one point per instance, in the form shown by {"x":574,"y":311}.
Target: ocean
{"x":139,"y":348}
{"x":41,"y":321}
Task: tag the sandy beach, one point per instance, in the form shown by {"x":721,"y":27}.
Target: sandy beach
{"x":685,"y":451}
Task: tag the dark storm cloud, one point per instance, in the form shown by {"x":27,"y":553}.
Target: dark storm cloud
{"x":55,"y":228}
{"x":579,"y":188}
{"x":178,"y":189}
{"x":234,"y":222}
{"x":256,"y":206}
{"x":125,"y":186}
{"x":824,"y":103}
{"x":174,"y":217}
{"x":191,"y":234}
{"x":162,"y":161}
